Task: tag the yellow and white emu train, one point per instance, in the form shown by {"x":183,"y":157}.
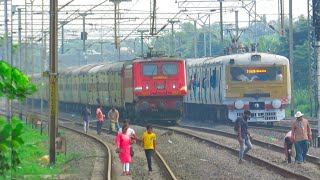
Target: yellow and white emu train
{"x":221,"y":88}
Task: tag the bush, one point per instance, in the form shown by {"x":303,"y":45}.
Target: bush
{"x":302,"y":102}
{"x":10,"y":142}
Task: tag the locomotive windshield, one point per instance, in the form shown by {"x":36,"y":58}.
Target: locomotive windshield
{"x":150,"y":69}
{"x":169,"y":69}
{"x":249,"y":74}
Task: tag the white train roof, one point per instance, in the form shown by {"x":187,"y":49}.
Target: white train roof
{"x":197,"y":61}
{"x":240,"y":59}
{"x":95,"y":69}
{"x":246,"y":59}
{"x":86,"y":69}
{"x":77,"y":70}
{"x":113,"y":66}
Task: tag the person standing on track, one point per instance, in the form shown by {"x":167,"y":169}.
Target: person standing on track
{"x":123,"y":148}
{"x":100,"y":118}
{"x":148,"y":143}
{"x":85,"y":115}
{"x":244,"y":136}
{"x":301,"y":135}
{"x":113,"y":116}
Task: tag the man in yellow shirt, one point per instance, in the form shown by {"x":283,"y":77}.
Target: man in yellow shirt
{"x":149,"y":145}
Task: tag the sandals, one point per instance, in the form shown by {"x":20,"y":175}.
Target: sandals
{"x":128,"y":173}
{"x":124,"y":173}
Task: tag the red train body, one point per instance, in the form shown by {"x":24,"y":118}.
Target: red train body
{"x":159,"y":86}
{"x":147,"y":89}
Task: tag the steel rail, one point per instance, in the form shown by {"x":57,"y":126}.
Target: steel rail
{"x":277,"y":148}
{"x":108,"y":158}
{"x":284,"y":172}
{"x":157,"y":156}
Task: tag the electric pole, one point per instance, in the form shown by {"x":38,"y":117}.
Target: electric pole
{"x":316,"y":24}
{"x":20,"y":54}
{"x":292,"y":104}
{"x":62,"y":35}
{"x":141,"y":31}
{"x":84,"y":34}
{"x":195,"y":39}
{"x":53,"y":80}
{"x":173,"y":42}
{"x":6,"y":52}
{"x":221,"y":23}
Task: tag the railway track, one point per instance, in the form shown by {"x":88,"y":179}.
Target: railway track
{"x":259,"y":161}
{"x":168,"y":173}
{"x":274,"y":147}
{"x":98,"y":173}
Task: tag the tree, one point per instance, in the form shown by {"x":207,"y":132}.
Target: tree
{"x":13,"y":85}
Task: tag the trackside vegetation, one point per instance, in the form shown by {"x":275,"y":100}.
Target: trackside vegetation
{"x":14,"y":85}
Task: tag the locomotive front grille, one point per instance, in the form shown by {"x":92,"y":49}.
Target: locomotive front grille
{"x":264,"y":115}
{"x":256,"y":105}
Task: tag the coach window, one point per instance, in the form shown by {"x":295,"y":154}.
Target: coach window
{"x":150,"y":69}
{"x":169,"y":69}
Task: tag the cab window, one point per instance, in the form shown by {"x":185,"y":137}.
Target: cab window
{"x":169,"y":69}
{"x":249,"y":74}
{"x":149,"y":69}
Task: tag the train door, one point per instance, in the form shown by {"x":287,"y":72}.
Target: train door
{"x":205,"y":80}
{"x":189,"y":80}
{"x":220,"y":84}
{"x":194,"y":85}
{"x":214,"y":84}
{"x":200,"y":85}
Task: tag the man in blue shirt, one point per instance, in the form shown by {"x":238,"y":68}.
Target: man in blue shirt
{"x":244,"y":137}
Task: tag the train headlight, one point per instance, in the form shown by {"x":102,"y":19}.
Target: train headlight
{"x":239,"y":104}
{"x":173,"y":86}
{"x":147,"y":87}
{"x":276,"y":103}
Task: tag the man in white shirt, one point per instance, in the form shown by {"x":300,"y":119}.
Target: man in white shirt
{"x":130,"y":131}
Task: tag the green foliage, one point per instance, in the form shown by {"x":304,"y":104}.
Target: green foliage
{"x":13,"y":83}
{"x":10,"y":142}
{"x":302,"y":101}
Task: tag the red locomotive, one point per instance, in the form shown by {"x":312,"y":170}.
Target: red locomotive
{"x":159,"y":86}
{"x":143,"y":90}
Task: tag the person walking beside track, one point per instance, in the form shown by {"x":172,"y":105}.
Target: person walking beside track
{"x":301,"y":135}
{"x":123,"y":148}
{"x":100,"y":118}
{"x":244,"y":136}
{"x":130,"y":132}
{"x":149,"y":145}
{"x":85,"y":115}
{"x":113,"y":116}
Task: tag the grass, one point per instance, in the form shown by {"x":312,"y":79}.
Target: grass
{"x":35,"y":147}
